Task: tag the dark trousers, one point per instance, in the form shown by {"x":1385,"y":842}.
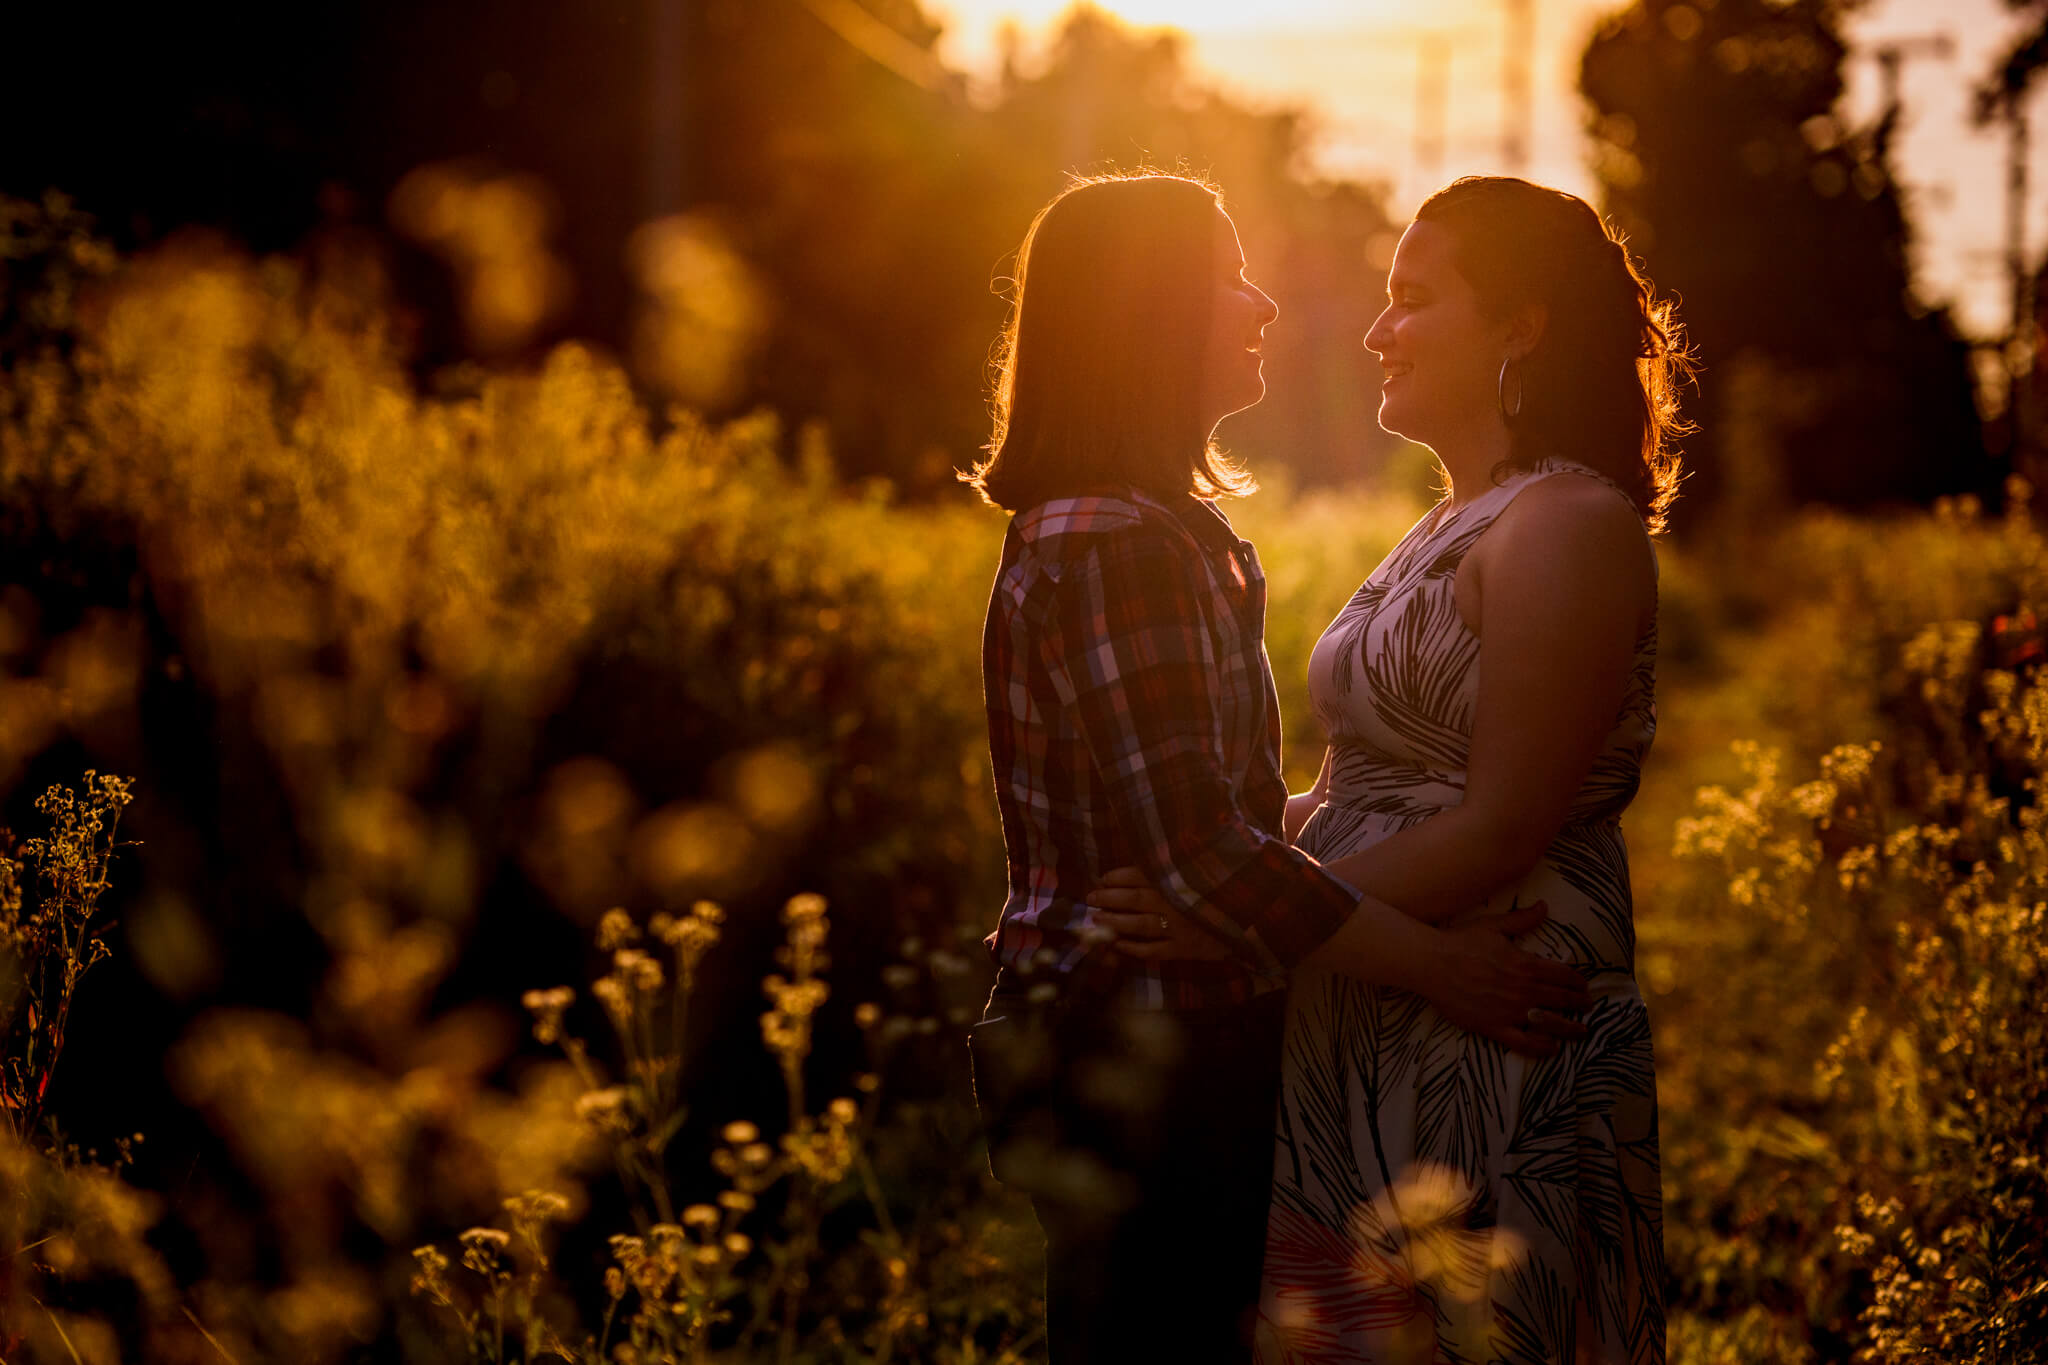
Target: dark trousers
{"x":1145,"y":1140}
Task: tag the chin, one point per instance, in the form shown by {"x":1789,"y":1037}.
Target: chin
{"x":1250,"y":397}
{"x":1390,"y":418}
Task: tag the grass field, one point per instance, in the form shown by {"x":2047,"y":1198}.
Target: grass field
{"x":470,"y":724}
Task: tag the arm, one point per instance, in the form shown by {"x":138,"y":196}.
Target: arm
{"x":1128,"y":653}
{"x":1303,"y":804}
{"x":1566,"y":581}
{"x":1473,"y":974}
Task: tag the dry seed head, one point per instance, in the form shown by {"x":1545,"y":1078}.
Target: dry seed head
{"x":606,"y":1108}
{"x":537,"y":1206}
{"x":481,"y":1248}
{"x":616,"y":930}
{"x":547,"y":1008}
{"x":611,"y":993}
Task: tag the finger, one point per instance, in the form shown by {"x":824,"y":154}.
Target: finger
{"x":1114,"y":900}
{"x":1563,"y":999}
{"x":1522,"y":1041}
{"x":1554,"y":1025}
{"x":1152,"y":950}
{"x":1550,"y":972}
{"x":1126,"y":877}
{"x":1144,"y":928}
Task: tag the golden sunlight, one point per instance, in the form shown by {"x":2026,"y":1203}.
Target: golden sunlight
{"x":1193,"y":15}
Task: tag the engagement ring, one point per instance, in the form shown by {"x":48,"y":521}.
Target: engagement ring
{"x":1165,"y":925}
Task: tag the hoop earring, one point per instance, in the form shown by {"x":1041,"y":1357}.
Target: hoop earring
{"x":1509,"y":414}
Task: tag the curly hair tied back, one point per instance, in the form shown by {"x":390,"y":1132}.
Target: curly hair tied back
{"x":1601,"y":386}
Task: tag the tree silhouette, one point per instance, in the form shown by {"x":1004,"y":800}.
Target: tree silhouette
{"x":1721,"y":152}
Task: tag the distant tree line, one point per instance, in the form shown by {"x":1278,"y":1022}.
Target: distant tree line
{"x":872,"y":200}
{"x":1722,"y":151}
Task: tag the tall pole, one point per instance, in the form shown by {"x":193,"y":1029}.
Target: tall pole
{"x":1891,"y":58}
{"x":2021,"y":341}
{"x":1518,"y":105}
{"x":668,"y":107}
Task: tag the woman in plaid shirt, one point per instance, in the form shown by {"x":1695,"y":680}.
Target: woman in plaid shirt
{"x":1133,"y":721}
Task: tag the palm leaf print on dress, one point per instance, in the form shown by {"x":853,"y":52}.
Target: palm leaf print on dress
{"x":1552,"y":1230}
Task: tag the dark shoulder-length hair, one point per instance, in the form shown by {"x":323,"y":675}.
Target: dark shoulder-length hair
{"x":1601,"y":385}
{"x":1099,"y":368}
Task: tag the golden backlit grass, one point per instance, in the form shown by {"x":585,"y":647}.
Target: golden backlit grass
{"x":1840,"y":866}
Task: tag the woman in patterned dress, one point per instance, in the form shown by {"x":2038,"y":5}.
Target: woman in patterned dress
{"x":1488,"y":695}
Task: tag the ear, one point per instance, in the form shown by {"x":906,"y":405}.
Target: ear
{"x":1525,"y":329}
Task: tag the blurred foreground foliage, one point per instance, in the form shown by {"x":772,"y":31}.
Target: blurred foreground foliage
{"x":417,"y":688}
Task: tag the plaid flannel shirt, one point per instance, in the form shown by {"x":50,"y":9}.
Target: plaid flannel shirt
{"x":1133,"y":720}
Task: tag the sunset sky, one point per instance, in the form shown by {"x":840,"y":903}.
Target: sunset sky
{"x":1356,"y":62}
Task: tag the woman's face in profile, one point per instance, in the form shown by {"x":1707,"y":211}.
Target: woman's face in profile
{"x":1233,"y":369}
{"x":1441,"y":354}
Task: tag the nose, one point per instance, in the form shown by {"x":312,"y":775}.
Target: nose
{"x":1380,"y":336}
{"x":1268,"y":310}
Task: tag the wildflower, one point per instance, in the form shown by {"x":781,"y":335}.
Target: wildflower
{"x":691,"y":936}
{"x":605,"y":1108}
{"x":867,"y":1014}
{"x":627,"y":1250}
{"x":616,"y":930}
{"x":739,"y":1201}
{"x":481,"y":1249}
{"x":638,"y":969}
{"x":700,"y":1216}
{"x":739,"y":1133}
{"x":537,"y":1206}
{"x":431,"y":1281}
{"x":738,"y":1244}
{"x":547,"y":1008}
{"x":611,"y":993}
{"x":614,"y":1282}
{"x":843,"y":1111}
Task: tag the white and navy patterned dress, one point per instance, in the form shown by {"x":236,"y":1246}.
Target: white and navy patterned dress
{"x":1438,"y":1199}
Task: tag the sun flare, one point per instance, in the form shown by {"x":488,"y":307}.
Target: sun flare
{"x":1202,"y":16}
